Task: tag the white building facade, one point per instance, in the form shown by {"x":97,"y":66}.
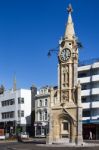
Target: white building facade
{"x":15,"y":110}
{"x":46,"y":98}
{"x":88,"y":74}
{"x":41,"y":112}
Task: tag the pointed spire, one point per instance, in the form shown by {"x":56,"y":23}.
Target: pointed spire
{"x":14,"y":83}
{"x":69,"y":33}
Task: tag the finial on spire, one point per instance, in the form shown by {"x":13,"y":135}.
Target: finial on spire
{"x":69,"y":32}
{"x":69,"y":9}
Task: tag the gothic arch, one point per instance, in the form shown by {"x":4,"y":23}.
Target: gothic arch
{"x":65,"y":117}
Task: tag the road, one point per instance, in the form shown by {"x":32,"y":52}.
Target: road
{"x":32,"y":146}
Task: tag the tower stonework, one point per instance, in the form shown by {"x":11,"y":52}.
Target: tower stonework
{"x":66,"y":113}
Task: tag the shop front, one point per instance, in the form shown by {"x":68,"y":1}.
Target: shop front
{"x":91,"y":130}
{"x":41,"y":129}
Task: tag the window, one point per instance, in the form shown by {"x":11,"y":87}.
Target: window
{"x":20,"y":100}
{"x":3,"y":116}
{"x":2,"y":104}
{"x":18,"y":113}
{"x":45,"y":102}
{"x":11,"y":114}
{"x":86,"y":113}
{"x":8,"y":102}
{"x":7,"y":115}
{"x":65,"y":125}
{"x":45,"y":115}
{"x":40,"y":103}
{"x":64,"y":77}
{"x":12,"y":102}
{"x":22,"y":113}
{"x":84,"y":99}
{"x":81,"y":75}
{"x":83,"y":86}
{"x":40,"y":115}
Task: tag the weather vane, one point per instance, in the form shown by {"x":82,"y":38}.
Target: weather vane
{"x":69,"y":9}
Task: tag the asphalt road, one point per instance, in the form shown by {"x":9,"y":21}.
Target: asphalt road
{"x":32,"y":146}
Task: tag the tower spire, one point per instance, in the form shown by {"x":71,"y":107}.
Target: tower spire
{"x":69,"y":33}
{"x":14,"y":83}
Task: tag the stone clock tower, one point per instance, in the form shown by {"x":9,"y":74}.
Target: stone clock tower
{"x":66,"y":113}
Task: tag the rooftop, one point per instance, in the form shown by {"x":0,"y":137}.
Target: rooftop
{"x":88,"y":62}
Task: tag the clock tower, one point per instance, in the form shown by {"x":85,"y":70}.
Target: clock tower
{"x":66,"y":113}
{"x":68,"y":63}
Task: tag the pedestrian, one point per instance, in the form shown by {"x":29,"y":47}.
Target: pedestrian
{"x":90,"y":135}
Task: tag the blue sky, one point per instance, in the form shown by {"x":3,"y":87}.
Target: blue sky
{"x":29,"y":28}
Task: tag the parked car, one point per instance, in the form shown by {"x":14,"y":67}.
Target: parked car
{"x":2,"y":137}
{"x":24,"y":135}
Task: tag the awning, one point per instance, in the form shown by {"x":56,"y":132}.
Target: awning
{"x":91,"y":121}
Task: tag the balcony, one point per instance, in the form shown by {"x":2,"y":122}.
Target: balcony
{"x":93,"y":91}
{"x":91,"y":118}
{"x":84,"y":68}
{"x":95,"y":78}
{"x":90,"y":105}
{"x":86,"y":118}
{"x":95,"y":104}
{"x":95,"y":117}
{"x":84,"y":80}
{"x":86,"y":105}
{"x":85,"y":92}
{"x":88,"y":79}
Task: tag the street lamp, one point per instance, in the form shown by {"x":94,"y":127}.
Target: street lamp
{"x":53,"y":50}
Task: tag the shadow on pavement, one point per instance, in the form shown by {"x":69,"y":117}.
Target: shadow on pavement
{"x":32,"y":141}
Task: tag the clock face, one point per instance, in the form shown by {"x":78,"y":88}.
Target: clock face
{"x":65,"y":54}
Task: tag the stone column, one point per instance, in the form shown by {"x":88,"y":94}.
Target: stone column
{"x":70,"y":81}
{"x":79,"y":139}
